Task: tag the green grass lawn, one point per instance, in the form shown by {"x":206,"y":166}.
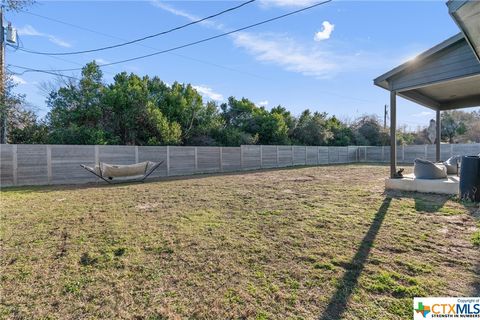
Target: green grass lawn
{"x":304,"y":243}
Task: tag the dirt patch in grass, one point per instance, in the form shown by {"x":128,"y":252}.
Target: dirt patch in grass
{"x":309,"y":243}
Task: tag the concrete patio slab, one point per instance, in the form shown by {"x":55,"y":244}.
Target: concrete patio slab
{"x":448,"y":185}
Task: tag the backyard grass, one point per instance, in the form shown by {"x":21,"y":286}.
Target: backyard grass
{"x":305,"y":243}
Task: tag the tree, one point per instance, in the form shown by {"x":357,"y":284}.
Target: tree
{"x":452,"y":126}
{"x":76,"y":115}
{"x":131,"y":110}
{"x":17,"y":5}
{"x":182,"y":104}
{"x":368,"y":131}
{"x":28,"y":130}
{"x":342,"y":134}
{"x":207,"y":121}
{"x":136,"y":110}
{"x":271,"y":128}
{"x":288,"y":118}
{"x":21,"y":123}
{"x":135,"y":115}
{"x":238,"y":113}
{"x":233,"y":137}
{"x":312,"y":129}
{"x":460,"y":126}
{"x":473,"y":132}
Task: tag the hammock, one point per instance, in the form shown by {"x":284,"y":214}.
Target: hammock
{"x":132,"y":172}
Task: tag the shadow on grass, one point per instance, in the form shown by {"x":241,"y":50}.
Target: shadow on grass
{"x":424,"y":202}
{"x":476,"y":284}
{"x":475,"y":213}
{"x":338,"y":302}
{"x":433,"y":203}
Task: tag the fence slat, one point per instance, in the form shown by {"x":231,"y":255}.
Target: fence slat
{"x":57,"y":164}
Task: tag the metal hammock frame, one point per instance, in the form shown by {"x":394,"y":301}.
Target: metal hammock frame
{"x":124,"y":179}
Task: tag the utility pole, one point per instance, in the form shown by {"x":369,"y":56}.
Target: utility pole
{"x":2,"y":78}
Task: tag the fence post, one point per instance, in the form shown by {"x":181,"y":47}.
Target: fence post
{"x":97,"y":155}
{"x":451,"y":150}
{"x":318,"y":156}
{"x":261,"y":156}
{"x":241,"y":157}
{"x":291,"y":148}
{"x":278,"y":158}
{"x":383,"y":153}
{"x":136,"y":154}
{"x":305,"y":155}
{"x":168,"y":161}
{"x":328,"y":155}
{"x":196,"y":159}
{"x":221,"y":159}
{"x":426,"y":152}
{"x":49,"y":164}
{"x":14,"y":165}
{"x":403,"y":153}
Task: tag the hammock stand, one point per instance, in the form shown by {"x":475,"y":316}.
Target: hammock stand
{"x":112,"y":173}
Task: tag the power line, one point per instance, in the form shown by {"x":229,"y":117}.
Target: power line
{"x":51,"y":72}
{"x":143,"y":38}
{"x":142,"y":45}
{"x":19,"y":41}
{"x":20,"y":45}
{"x":202,"y":40}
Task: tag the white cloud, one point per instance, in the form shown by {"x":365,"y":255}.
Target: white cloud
{"x":28,"y":30}
{"x":324,"y":34}
{"x":18,"y":79}
{"x":184,"y":14}
{"x":166,"y":7}
{"x":422,"y":114}
{"x":209,"y":93}
{"x":279,"y":50}
{"x":263,"y":103}
{"x":288,"y":3}
{"x":286,"y":53}
{"x":59,"y":42}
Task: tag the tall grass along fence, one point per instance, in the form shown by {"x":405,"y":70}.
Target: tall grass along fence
{"x":60,"y":164}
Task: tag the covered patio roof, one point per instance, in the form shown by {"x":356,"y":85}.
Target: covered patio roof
{"x":444,"y":77}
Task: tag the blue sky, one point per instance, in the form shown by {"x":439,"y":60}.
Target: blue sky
{"x":324,"y":59}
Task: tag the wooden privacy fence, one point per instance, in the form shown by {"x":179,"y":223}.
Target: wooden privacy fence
{"x":60,"y":164}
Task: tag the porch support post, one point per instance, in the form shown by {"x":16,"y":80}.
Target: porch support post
{"x":439,"y":132}
{"x":393,"y":133}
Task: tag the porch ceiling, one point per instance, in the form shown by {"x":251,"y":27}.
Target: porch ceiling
{"x":447,"y":95}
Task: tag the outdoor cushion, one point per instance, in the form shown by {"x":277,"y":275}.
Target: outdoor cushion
{"x":452,"y":164}
{"x":424,"y":169}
